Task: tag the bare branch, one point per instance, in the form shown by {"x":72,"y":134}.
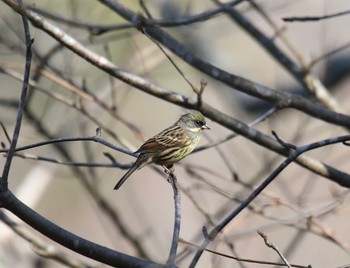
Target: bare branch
{"x":29,"y":42}
{"x":177,"y":218}
{"x":296,"y":153}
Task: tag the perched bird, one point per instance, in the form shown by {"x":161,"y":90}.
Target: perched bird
{"x":170,"y":145}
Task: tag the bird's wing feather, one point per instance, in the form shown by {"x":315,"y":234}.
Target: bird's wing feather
{"x":164,"y":140}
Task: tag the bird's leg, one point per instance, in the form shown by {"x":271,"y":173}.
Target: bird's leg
{"x":169,"y":170}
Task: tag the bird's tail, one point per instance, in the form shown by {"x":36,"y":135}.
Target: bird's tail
{"x":126,"y":175}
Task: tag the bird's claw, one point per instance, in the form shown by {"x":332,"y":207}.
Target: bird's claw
{"x":169,"y":170}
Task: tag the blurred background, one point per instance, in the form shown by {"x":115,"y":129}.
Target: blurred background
{"x":305,"y":215}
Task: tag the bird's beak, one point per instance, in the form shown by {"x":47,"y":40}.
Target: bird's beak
{"x":205,"y":127}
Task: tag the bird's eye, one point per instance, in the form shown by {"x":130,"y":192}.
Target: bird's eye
{"x":199,"y":123}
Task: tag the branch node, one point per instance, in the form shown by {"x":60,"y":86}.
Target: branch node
{"x":346,"y":143}
{"x":110,"y":157}
{"x":98,"y":131}
{"x":284,"y":144}
{"x":140,"y":23}
{"x":205,"y":233}
{"x":199,"y":92}
{"x":264,"y":236}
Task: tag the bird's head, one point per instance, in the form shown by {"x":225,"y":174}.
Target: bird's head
{"x":194,"y":121}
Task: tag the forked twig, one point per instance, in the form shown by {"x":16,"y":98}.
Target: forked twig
{"x":271,"y":245}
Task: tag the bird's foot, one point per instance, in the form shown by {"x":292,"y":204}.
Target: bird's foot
{"x":169,"y":169}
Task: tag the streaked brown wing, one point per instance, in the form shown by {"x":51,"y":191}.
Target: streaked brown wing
{"x":171,"y":137}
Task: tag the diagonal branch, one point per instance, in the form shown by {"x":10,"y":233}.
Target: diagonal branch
{"x":283,"y":99}
{"x":303,"y":75}
{"x":293,"y":155}
{"x":70,"y":240}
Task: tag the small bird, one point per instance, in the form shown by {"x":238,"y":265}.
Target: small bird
{"x":170,"y":145}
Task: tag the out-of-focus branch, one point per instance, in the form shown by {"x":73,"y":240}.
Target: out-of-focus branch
{"x":303,"y":75}
{"x":328,"y":54}
{"x":70,"y":240}
{"x":281,"y":98}
{"x":279,"y":32}
{"x":39,"y":246}
{"x":99,"y":29}
{"x":11,"y":203}
{"x":95,"y":193}
{"x":93,"y":28}
{"x":296,"y":152}
{"x":82,"y":95}
{"x":78,"y":106}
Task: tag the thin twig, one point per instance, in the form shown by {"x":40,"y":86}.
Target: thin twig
{"x":89,"y":164}
{"x":15,"y":136}
{"x":284,"y":144}
{"x":253,"y":123}
{"x":240,"y":259}
{"x":271,"y":245}
{"x":173,"y":63}
{"x":145,"y":9}
{"x":5,"y":132}
{"x":58,"y":140}
{"x":315,"y":18}
{"x":328,"y":54}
